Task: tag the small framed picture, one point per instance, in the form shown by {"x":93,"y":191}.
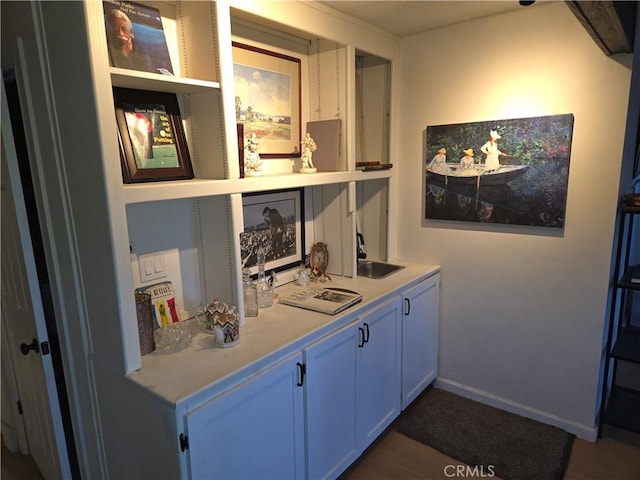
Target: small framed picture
{"x":273,"y":221}
{"x":319,"y":258}
{"x":152,"y":140}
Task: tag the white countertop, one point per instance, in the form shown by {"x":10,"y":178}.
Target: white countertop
{"x":277,"y":331}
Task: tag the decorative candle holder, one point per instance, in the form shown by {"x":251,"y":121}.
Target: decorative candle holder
{"x":223,"y":322}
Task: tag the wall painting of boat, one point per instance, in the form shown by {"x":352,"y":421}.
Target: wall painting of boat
{"x":500,"y":171}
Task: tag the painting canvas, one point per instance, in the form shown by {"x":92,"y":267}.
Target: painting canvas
{"x":274,"y":222}
{"x":501,"y":171}
{"x":267,"y":94}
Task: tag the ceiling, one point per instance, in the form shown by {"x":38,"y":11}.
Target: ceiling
{"x":409,"y":17}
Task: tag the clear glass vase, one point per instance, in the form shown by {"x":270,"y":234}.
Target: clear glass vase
{"x":250,"y":294}
{"x":263,"y":285}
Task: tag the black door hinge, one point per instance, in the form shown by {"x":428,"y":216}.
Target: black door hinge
{"x":184,"y":442}
{"x":19,"y":407}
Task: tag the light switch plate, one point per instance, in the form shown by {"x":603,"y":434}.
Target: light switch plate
{"x":152,"y":267}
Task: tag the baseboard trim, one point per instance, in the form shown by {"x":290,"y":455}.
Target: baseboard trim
{"x":584,"y":432}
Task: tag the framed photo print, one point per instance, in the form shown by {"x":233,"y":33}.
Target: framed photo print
{"x":273,"y":221}
{"x":151,"y":135}
{"x":267,"y":90}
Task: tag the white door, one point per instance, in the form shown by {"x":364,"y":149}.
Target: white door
{"x":23,"y":313}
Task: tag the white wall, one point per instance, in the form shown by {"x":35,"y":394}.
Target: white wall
{"x":522,"y":308}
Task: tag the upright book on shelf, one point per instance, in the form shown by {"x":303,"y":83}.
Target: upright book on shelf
{"x":326,"y":134}
{"x":163,"y":302}
{"x":135,"y":37}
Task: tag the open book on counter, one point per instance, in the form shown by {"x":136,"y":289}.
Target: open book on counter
{"x":329,"y":300}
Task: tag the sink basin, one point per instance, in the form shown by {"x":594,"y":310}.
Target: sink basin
{"x":371,"y":269}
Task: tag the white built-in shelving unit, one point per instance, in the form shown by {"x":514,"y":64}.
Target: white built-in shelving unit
{"x":196,"y":223}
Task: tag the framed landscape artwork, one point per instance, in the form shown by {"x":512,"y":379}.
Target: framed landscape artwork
{"x":500,"y":171}
{"x":267,"y":91}
{"x":152,"y":140}
{"x":273,"y":221}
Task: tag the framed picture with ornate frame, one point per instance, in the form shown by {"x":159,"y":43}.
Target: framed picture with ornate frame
{"x":319,"y":259}
{"x":267,"y":90}
{"x":273,"y":221}
{"x":152,"y":140}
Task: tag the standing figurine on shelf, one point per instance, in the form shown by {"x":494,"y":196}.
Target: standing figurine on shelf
{"x":252,"y":163}
{"x":308,"y":147}
{"x":303,"y":276}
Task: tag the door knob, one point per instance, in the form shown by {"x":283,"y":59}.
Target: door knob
{"x":25,"y":349}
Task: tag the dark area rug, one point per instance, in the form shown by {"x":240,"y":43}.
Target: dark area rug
{"x":509,"y":445}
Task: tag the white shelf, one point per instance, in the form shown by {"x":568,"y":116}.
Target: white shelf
{"x":268,"y":182}
{"x":175,"y":190}
{"x":372,"y":174}
{"x":122,"y":77}
{"x":179,"y":189}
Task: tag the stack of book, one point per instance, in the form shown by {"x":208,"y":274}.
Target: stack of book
{"x":369,"y":166}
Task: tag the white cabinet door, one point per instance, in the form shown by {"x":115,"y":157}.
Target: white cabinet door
{"x":255,"y":430}
{"x":330,"y":397}
{"x":378,"y":371}
{"x":352,"y":389}
{"x":419,"y":338}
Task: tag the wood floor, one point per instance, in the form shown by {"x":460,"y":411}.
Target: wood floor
{"x":16,"y":466}
{"x":616,"y":456}
{"x":394,"y":456}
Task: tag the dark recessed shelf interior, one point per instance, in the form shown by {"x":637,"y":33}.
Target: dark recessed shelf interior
{"x":623,"y":409}
{"x":627,"y":345}
{"x":630,"y":278}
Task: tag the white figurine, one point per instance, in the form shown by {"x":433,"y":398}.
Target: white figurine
{"x":252,"y":163}
{"x":308,"y":147}
{"x":303,"y":276}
